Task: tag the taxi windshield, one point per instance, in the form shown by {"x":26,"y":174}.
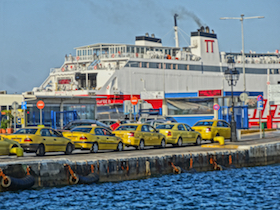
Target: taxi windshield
{"x":26,"y":131}
{"x":164,"y":126}
{"x":204,"y":123}
{"x":127,"y":128}
{"x":84,"y":130}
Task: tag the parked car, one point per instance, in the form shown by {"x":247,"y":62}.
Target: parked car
{"x":94,"y":138}
{"x":156,"y":117}
{"x":179,"y":134}
{"x":8,"y":147}
{"x":208,"y":129}
{"x":155,"y":123}
{"x":41,"y":140}
{"x":140,"y":135}
{"x":76,"y":123}
{"x":110,"y":122}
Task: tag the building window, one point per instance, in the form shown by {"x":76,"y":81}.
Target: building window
{"x":190,"y":106}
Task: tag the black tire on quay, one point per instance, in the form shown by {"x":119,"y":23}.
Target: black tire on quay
{"x":74,"y":179}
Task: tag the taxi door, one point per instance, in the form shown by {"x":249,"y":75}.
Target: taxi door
{"x":59,"y":141}
{"x":48,"y":140}
{"x":4,"y":147}
{"x":226,"y":128}
{"x":191,"y":133}
{"x":155,"y":137}
{"x":111,"y":142}
{"x":220,"y":128}
{"x":101,"y":138}
{"x":146,"y":134}
{"x":183,"y":133}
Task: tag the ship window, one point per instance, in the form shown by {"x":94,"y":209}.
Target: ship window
{"x":144,"y":64}
{"x":142,"y":50}
{"x":137,"y":50}
{"x":256,"y":71}
{"x":128,"y":49}
{"x":159,"y":65}
{"x":153,"y":65}
{"x":132,"y":49}
{"x":168,"y":66}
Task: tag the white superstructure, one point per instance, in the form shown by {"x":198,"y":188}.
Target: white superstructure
{"x":126,"y":69}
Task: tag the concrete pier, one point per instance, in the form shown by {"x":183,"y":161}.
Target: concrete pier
{"x":50,"y":170}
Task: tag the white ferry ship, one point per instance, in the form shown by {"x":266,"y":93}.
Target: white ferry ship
{"x":172,"y":78}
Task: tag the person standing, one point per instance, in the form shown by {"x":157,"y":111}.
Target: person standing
{"x":115,"y":125}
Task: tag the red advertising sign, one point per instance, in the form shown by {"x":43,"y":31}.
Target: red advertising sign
{"x":254,"y":114}
{"x":210,"y":93}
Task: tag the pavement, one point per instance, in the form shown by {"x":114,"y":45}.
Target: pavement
{"x":246,"y":141}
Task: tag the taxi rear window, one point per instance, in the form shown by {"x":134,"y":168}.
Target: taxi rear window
{"x":204,"y":123}
{"x":164,"y":126}
{"x":84,"y":130}
{"x":127,"y":128}
{"x":26,"y":131}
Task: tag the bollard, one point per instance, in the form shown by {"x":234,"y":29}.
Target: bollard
{"x":220,"y":139}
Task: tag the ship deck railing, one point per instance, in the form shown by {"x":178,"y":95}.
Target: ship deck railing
{"x":148,"y":55}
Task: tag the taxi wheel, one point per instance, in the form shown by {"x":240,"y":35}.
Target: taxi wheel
{"x":162,"y":145}
{"x":179,"y":143}
{"x":141,"y":145}
{"x":69,"y":149}
{"x":40,"y":150}
{"x":198,"y":141}
{"x":120,"y":146}
{"x":94,"y":148}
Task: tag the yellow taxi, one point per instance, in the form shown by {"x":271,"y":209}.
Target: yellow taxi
{"x":178,"y":134}
{"x":41,"y":140}
{"x":94,"y":138}
{"x":209,"y":129}
{"x":8,"y":147}
{"x":140,"y":135}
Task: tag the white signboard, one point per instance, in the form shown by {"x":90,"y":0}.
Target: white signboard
{"x":274,"y":93}
{"x":152,"y":95}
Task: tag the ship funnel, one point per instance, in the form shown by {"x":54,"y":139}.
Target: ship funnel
{"x":153,"y":35}
{"x":176,"y":31}
{"x":147,"y":34}
{"x":207,"y":29}
{"x":202,"y":29}
{"x":175,"y":19}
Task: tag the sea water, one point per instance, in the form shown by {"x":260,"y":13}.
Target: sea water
{"x":244,"y":188}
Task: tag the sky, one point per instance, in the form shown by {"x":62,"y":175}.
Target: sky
{"x":35,"y":35}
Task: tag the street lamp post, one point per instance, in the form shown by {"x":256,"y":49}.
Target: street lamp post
{"x":232,"y":75}
{"x":132,"y":107}
{"x":242,"y":33}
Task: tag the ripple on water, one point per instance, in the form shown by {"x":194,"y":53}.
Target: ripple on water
{"x":245,"y":188}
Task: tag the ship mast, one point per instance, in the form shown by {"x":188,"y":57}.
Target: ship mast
{"x":176,"y":31}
